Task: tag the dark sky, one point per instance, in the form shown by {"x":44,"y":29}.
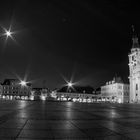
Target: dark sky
{"x":86,"y":39}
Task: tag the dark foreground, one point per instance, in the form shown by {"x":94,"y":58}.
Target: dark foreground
{"x":27,"y":120}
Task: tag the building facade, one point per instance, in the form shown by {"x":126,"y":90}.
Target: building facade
{"x":11,"y":88}
{"x":134,"y":71}
{"x":40,"y":93}
{"x":115,"y":91}
{"x":76,"y":97}
{"x":76,"y":94}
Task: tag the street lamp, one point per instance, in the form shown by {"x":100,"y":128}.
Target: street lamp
{"x":70,"y":84}
{"x":8,"y":33}
{"x":23,"y":83}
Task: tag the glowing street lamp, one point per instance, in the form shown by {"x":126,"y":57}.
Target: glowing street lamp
{"x":8,"y":33}
{"x":23,"y":83}
{"x":70,"y":84}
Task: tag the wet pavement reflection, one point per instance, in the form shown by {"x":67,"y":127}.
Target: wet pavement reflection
{"x":27,"y":120}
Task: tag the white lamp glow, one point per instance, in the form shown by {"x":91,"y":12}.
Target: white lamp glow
{"x":70,"y":84}
{"x":23,"y":83}
{"x":8,"y":33}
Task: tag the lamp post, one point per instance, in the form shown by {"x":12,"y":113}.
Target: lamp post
{"x":70,"y":85}
{"x":8,"y":33}
{"x":23,"y":83}
{"x":23,"y":89}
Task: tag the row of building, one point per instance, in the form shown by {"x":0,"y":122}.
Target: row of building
{"x":113,"y":91}
{"x":13,"y":88}
{"x":16,"y":89}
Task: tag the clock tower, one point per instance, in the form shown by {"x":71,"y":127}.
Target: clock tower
{"x":134,"y":71}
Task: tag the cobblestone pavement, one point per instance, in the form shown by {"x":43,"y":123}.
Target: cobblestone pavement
{"x":28,"y":120}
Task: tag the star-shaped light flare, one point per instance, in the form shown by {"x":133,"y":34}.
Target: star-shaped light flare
{"x":8,"y":33}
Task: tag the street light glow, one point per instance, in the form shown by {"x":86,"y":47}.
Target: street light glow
{"x":70,"y":84}
{"x":8,"y":33}
{"x":23,"y":83}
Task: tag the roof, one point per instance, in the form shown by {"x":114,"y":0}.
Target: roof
{"x":10,"y":81}
{"x":77,"y":89}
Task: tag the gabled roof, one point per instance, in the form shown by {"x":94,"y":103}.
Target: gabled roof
{"x":77,"y":89}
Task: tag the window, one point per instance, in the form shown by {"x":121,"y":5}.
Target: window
{"x":132,"y":58}
{"x":119,"y":93}
{"x":136,"y":86}
{"x":119,"y":86}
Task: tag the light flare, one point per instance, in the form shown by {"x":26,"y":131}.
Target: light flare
{"x":70,"y":84}
{"x":23,"y":83}
{"x":8,"y":33}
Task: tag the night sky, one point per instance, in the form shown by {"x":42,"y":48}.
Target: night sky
{"x":56,"y":39}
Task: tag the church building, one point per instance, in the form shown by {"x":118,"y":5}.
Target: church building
{"x":134,"y":71}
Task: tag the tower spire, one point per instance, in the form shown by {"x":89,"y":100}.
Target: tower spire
{"x":135,"y":39}
{"x":133,"y":29}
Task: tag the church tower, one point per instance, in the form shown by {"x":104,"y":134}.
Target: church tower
{"x":134,"y":70}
